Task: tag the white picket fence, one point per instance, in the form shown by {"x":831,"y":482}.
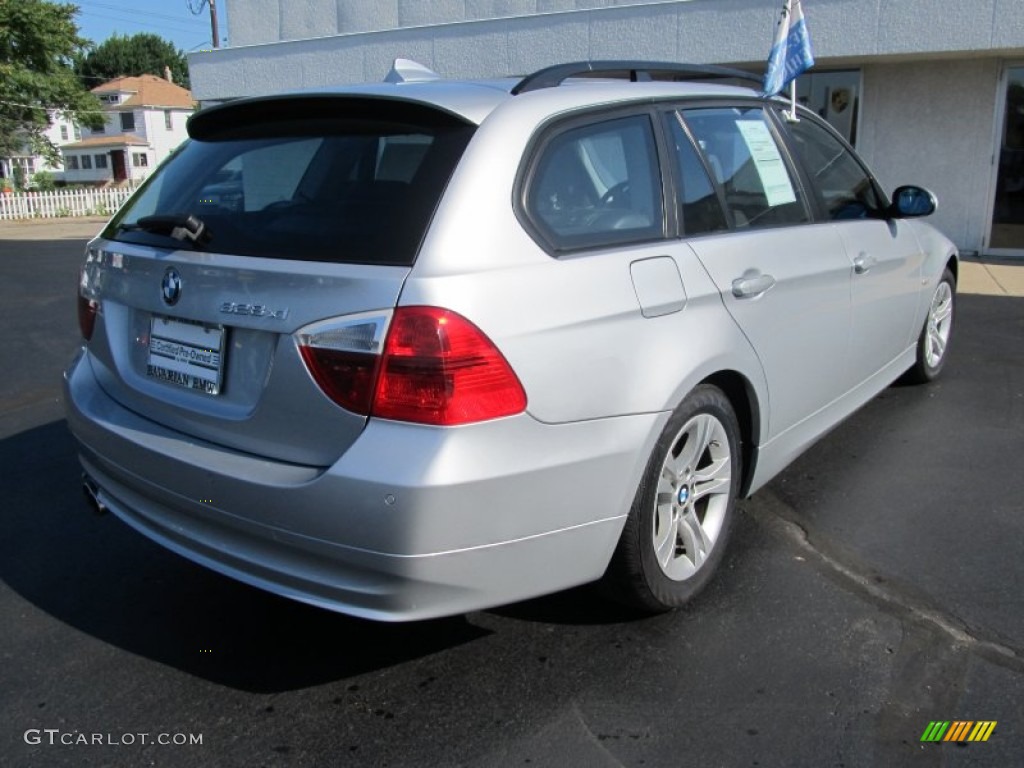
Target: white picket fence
{"x":63,"y":202}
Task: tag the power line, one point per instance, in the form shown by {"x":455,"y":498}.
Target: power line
{"x":179,"y":27}
{"x":53,"y":109}
{"x":121,"y":9}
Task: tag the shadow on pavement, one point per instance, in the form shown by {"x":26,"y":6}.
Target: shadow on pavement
{"x":100,"y":577}
{"x":579,"y":607}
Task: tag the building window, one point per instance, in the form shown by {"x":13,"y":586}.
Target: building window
{"x":86,"y":162}
{"x":835,"y":96}
{"x":63,"y":133}
{"x":101,"y":161}
{"x":101,"y":129}
{"x":72,"y":162}
{"x":140,"y":159}
{"x":127,"y":121}
{"x":168,"y":124}
{"x":78,"y":133}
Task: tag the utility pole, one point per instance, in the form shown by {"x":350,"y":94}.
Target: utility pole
{"x":198,"y":8}
{"x":213,"y":23}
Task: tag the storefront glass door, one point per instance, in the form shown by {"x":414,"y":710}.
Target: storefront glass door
{"x":1008,"y":211}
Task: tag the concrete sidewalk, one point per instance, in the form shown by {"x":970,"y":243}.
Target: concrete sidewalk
{"x":70,"y":228}
{"x":979,"y":275}
{"x":991,"y":277}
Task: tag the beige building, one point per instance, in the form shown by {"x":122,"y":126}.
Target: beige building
{"x":145,"y":121}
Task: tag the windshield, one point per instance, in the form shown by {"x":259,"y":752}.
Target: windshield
{"x":342,"y":190}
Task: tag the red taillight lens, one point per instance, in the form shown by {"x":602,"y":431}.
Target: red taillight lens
{"x":439,"y":368}
{"x":343,"y":356}
{"x":433,"y":367}
{"x":86,"y":316}
{"x":345,"y":377}
{"x":88,"y":307}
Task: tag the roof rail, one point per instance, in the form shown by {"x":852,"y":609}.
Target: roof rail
{"x":637,"y":71}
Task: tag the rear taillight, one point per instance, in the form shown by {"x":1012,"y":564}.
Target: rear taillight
{"x":86,"y":316}
{"x":343,"y":357}
{"x":435,"y":367}
{"x":88,"y":307}
{"x":345,"y":377}
{"x":439,"y":368}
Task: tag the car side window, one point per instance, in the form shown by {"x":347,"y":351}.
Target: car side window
{"x":699,"y":206}
{"x":598,"y":184}
{"x":846,"y":189}
{"x":745,"y":159}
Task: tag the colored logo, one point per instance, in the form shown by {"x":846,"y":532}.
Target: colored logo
{"x":170,"y":287}
{"x":958,"y":730}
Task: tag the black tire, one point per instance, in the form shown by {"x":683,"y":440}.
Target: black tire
{"x":660,"y":523}
{"x":930,"y":359}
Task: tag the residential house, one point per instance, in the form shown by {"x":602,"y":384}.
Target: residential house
{"x":145,"y":121}
{"x":61,"y":131}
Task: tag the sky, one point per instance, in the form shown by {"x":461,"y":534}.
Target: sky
{"x":171,"y":19}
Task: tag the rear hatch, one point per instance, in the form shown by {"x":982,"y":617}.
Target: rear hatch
{"x":277,"y":213}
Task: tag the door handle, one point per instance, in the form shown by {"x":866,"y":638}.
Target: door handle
{"x":863,"y":263}
{"x":751,"y":285}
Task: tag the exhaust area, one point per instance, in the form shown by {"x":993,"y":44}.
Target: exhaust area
{"x":92,"y":495}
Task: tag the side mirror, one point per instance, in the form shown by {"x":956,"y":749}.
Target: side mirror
{"x":910,"y":201}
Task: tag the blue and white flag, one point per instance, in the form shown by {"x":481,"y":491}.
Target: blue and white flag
{"x":791,"y":51}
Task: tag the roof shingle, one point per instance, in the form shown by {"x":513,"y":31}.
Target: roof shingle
{"x":148,"y":91}
{"x":126,"y":140}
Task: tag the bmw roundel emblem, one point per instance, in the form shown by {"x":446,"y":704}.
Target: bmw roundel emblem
{"x":170,"y":287}
{"x":684,"y":494}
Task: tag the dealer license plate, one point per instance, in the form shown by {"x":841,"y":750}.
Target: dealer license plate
{"x":190,"y":355}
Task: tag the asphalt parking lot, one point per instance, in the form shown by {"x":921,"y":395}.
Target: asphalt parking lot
{"x":874,"y":587}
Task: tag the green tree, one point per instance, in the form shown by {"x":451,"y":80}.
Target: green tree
{"x":38,"y":43}
{"x":43,"y":181}
{"x":130,"y":56}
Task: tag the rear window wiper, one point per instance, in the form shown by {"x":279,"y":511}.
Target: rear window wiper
{"x":180,"y":226}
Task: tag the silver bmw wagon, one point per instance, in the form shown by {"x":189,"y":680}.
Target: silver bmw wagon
{"x":422,"y":347}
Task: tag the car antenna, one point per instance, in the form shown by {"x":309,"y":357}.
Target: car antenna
{"x":409,"y":71}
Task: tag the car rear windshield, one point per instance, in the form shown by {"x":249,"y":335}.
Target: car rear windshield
{"x":340,"y":180}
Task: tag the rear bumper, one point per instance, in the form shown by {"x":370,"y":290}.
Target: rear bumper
{"x":411,"y":522}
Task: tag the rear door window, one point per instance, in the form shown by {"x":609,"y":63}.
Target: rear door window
{"x":349,"y":190}
{"x":597,"y":184}
{"x":699,"y":206}
{"x":746,"y":161}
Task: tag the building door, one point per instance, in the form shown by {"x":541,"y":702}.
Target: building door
{"x":118,"y":165}
{"x":1008,"y":208}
